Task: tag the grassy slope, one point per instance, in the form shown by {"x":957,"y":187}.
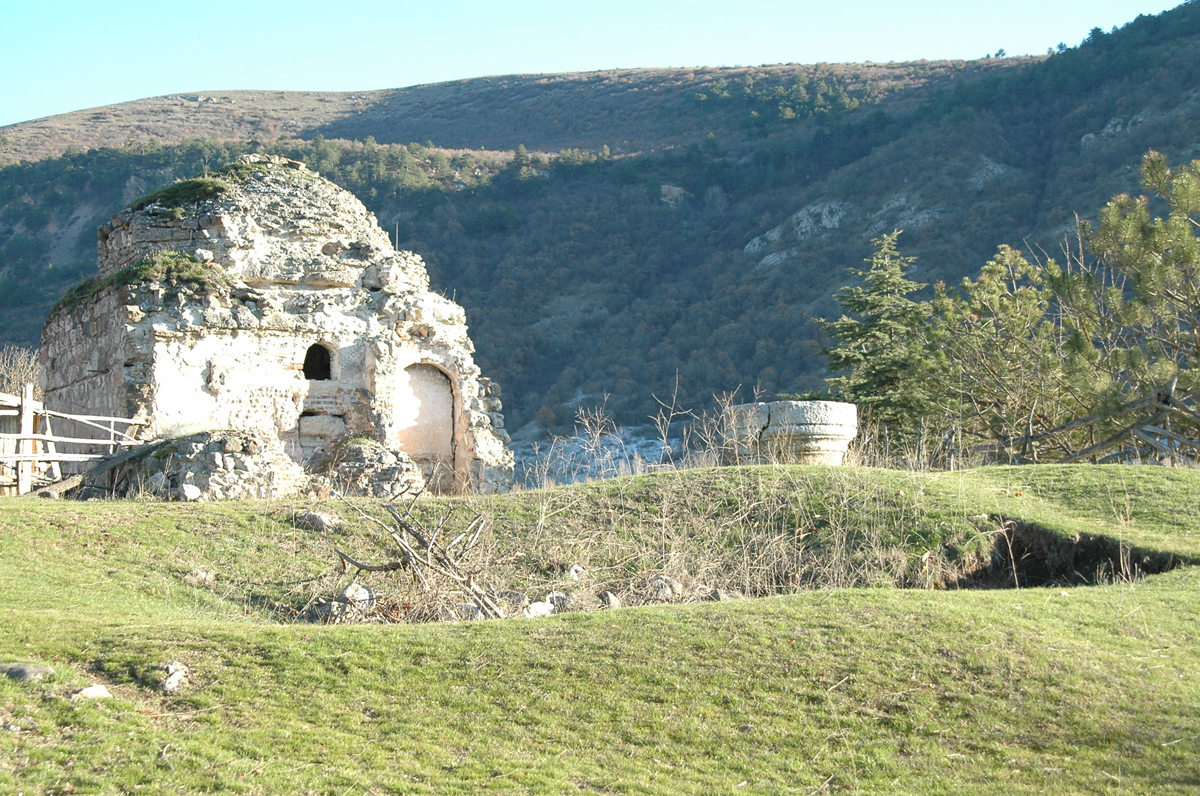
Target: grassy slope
{"x":1088,"y":689}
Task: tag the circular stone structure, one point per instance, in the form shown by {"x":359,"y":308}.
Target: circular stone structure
{"x":788,"y":432}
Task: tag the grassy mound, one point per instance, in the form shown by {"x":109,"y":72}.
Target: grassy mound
{"x":1062,"y":689}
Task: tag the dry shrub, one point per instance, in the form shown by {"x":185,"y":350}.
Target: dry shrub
{"x":927,"y":449}
{"x":760,"y":531}
{"x":18,"y":367}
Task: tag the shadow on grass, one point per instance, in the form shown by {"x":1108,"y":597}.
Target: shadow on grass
{"x":1028,"y":555}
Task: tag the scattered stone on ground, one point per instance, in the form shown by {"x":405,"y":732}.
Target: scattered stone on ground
{"x":353,"y":604}
{"x":25,"y":672}
{"x":358,"y":603}
{"x":176,"y":676}
{"x":559,"y":600}
{"x":200,"y":577}
{"x":331,"y":612}
{"x":538,"y":610}
{"x":662,"y":589}
{"x":358,"y":597}
{"x":609,"y":600}
{"x":317,"y":521}
{"x":95,"y":691}
{"x":512,"y":599}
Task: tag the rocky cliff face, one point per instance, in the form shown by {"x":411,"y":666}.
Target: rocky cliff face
{"x":265,"y":298}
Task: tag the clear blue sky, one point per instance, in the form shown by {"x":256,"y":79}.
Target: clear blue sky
{"x":58,"y":56}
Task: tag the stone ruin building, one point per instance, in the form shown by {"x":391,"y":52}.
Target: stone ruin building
{"x":266,"y":302}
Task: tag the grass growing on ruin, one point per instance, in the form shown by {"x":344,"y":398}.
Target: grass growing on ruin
{"x":185,"y":192}
{"x":1078,"y":689}
{"x":176,"y":271}
{"x":172,"y":199}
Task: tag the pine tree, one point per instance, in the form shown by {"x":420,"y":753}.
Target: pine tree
{"x":880,"y":346}
{"x":1157,"y":262}
{"x":1001,"y":370}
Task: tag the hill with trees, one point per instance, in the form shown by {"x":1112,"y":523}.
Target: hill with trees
{"x":620,"y":233}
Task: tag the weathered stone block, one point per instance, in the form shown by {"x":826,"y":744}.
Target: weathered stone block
{"x":799,"y":432}
{"x":322,"y":426}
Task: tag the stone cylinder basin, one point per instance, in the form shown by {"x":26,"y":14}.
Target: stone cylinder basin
{"x":788,"y":432}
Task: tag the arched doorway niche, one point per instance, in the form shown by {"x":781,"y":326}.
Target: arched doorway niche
{"x":425,"y":412}
{"x":322,"y":420}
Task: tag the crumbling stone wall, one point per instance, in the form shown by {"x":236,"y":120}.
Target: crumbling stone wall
{"x":277,"y":305}
{"x":87,"y":349}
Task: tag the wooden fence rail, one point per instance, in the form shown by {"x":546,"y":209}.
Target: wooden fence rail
{"x":29,"y":448}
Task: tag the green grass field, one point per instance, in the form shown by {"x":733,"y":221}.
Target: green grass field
{"x":1066,"y":688}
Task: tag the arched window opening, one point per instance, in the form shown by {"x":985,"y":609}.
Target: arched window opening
{"x":318,"y":364}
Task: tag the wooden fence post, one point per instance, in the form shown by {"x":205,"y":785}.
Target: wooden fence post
{"x":51,"y":447}
{"x":25,"y":443}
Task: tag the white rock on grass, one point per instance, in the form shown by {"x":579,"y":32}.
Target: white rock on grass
{"x":189,"y":492}
{"x":663,"y":589}
{"x":609,"y":600}
{"x":317,"y":521}
{"x":331,"y":612}
{"x":359,"y":597}
{"x":200,"y":577}
{"x":176,"y":676}
{"x":538,"y":610}
{"x":513,"y":599}
{"x":96,"y":691}
{"x":25,"y":672}
{"x":157,"y":484}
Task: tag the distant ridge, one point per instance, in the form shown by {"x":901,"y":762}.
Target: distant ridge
{"x":630,"y":110}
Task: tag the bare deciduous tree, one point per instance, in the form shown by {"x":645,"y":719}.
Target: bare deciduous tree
{"x":18,"y":367}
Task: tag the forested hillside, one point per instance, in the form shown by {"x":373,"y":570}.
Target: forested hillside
{"x":612,"y":231}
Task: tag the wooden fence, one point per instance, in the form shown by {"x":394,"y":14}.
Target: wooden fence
{"x":1161,"y":427}
{"x":31,"y":456}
